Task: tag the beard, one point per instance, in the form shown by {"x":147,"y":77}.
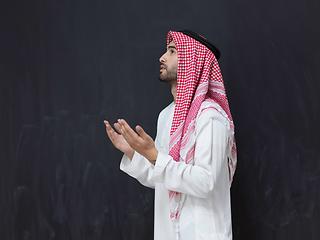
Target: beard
{"x":169,"y":75}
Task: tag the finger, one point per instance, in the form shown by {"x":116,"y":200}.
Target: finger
{"x":129,"y":134}
{"x":123,"y":122}
{"x":127,"y":129}
{"x":111,"y":135}
{"x":141,"y":132}
{"x":110,"y":131}
{"x":106,"y":121}
{"x":108,"y":127}
{"x":117,"y":127}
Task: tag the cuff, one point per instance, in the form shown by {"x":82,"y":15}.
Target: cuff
{"x":135,"y":166}
{"x":161,"y":163}
{"x":130,"y":166}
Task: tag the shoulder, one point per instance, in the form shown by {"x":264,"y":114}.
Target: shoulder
{"x":211,"y":111}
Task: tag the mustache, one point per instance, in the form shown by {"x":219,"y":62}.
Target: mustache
{"x":162,"y":64}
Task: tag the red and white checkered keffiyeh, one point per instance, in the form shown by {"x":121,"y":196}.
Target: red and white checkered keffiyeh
{"x":198,"y":79}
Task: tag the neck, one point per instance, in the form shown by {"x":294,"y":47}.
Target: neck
{"x":174,"y":91}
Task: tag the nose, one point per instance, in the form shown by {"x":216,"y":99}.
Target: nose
{"x":162,"y":59}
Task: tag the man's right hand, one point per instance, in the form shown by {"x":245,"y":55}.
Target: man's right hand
{"x":118,"y":140}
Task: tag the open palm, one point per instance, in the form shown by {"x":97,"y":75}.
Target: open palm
{"x":118,"y":140}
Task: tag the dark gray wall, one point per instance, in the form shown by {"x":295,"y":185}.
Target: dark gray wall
{"x":67,"y":65}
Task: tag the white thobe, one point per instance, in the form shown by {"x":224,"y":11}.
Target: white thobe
{"x":206,"y":212}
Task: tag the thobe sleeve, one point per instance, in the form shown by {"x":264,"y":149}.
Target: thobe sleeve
{"x":210,"y":159}
{"x":139,"y":167}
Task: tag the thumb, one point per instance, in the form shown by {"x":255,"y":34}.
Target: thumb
{"x":141,"y":132}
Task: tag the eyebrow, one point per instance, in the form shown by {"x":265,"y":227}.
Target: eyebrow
{"x":171,"y":47}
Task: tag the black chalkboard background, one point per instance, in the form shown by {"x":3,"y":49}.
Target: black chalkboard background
{"x":67,"y":65}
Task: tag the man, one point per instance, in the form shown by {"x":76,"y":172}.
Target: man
{"x":192,"y":161}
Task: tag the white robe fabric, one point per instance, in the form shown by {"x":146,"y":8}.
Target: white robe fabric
{"x":206,"y":212}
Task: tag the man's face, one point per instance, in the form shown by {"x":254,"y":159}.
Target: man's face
{"x":169,"y":64}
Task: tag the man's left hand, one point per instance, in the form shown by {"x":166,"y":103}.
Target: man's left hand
{"x":141,"y":142}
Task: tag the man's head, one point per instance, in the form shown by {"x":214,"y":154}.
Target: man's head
{"x":169,"y":65}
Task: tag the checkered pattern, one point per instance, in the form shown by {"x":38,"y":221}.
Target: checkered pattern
{"x":198,"y":79}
